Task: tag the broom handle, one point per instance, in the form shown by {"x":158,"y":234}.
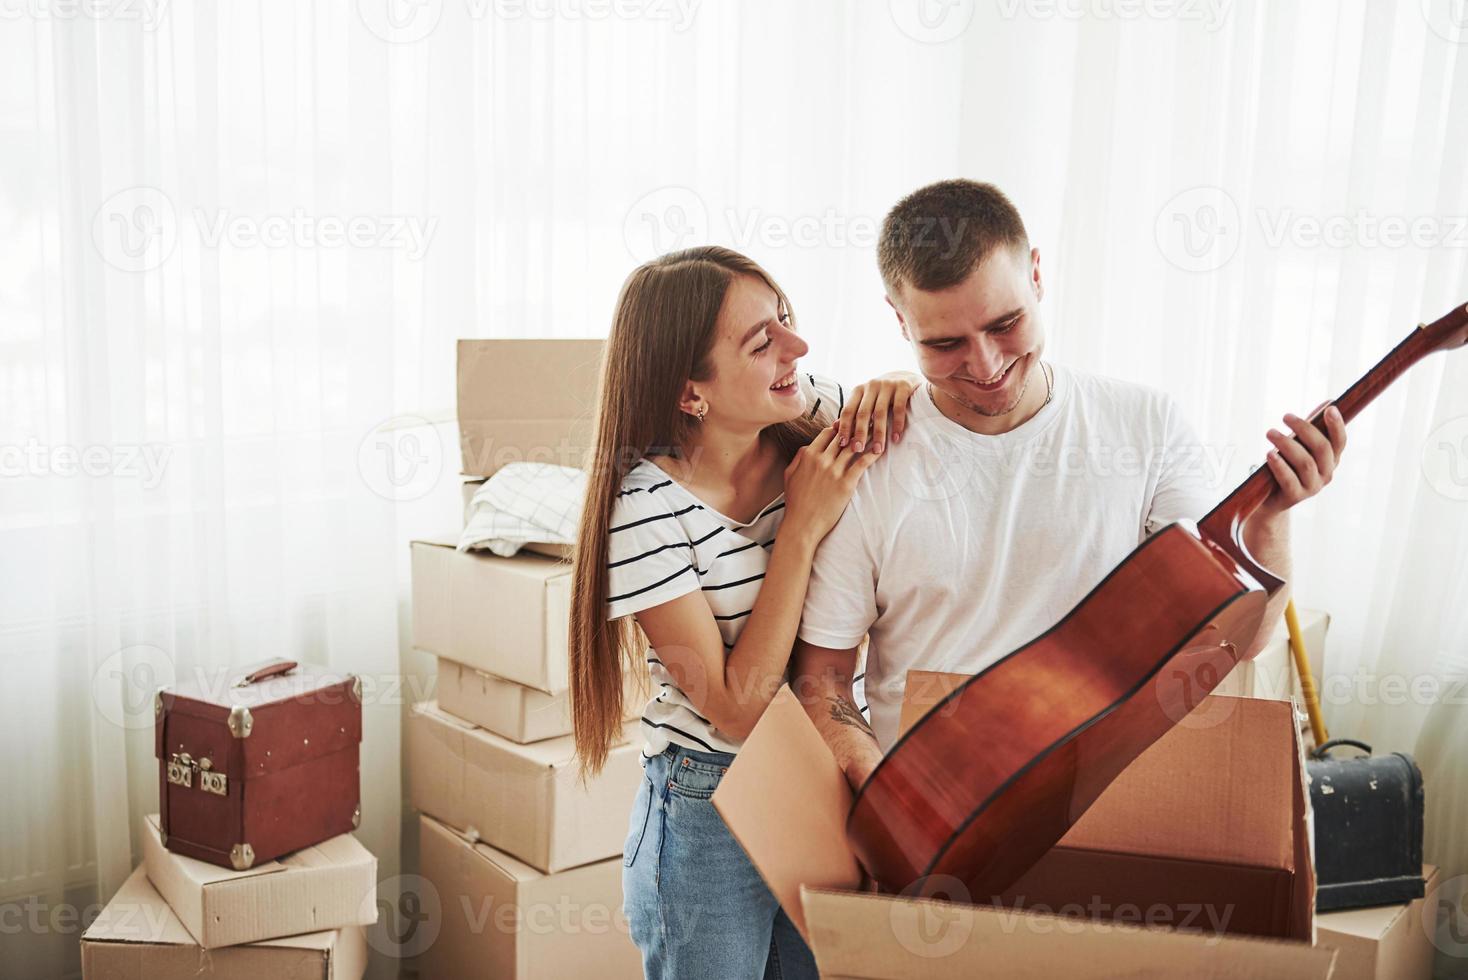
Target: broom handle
{"x":1302,"y":667}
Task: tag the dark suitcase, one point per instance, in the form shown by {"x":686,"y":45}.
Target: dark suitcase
{"x":259,"y":763}
{"x":1368,"y":828}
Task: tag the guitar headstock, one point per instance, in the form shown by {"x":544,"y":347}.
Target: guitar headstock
{"x":1450,"y":332}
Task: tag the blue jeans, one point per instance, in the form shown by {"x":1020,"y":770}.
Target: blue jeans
{"x":697,"y":907}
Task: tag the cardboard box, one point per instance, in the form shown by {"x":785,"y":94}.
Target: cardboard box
{"x":509,"y":617}
{"x":1386,"y":943}
{"x":513,"y":711}
{"x":328,"y":886}
{"x":1207,"y":830}
{"x":527,"y":800}
{"x":498,"y":917}
{"x":526,"y":401}
{"x":138,"y":937}
{"x":1271,"y":674}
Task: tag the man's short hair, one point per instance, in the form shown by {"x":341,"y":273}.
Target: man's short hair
{"x":935,"y":236}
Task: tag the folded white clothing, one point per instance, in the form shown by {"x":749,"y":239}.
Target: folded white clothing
{"x":523,"y":503}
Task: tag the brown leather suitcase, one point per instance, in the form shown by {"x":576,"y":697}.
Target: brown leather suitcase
{"x":257,"y":763}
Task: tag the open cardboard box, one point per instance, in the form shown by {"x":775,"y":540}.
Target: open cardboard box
{"x":1183,"y":866}
{"x":509,"y":414}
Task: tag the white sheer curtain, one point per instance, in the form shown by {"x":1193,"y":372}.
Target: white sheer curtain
{"x":239,"y":240}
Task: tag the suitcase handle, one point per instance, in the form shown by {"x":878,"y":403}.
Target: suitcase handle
{"x":1324,"y":750}
{"x":273,"y":669}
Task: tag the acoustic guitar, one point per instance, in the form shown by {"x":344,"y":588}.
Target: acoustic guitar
{"x":996,"y":773}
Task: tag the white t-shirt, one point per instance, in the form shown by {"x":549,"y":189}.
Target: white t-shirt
{"x":958,"y":548}
{"x":665,"y":543}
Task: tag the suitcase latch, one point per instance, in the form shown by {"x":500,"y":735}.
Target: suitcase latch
{"x":181,"y":769}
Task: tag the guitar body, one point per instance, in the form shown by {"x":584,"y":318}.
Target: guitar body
{"x":992,"y":776}
{"x":1058,"y":720}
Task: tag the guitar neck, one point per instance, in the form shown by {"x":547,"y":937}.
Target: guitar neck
{"x":1224,"y":521}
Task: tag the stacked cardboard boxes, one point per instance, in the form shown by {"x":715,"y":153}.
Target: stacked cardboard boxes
{"x":300,"y":917}
{"x":521,"y":853}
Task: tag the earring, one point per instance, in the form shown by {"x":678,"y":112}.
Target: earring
{"x":703,"y":410}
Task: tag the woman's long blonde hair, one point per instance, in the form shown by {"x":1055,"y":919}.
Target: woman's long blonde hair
{"x":662,"y":334}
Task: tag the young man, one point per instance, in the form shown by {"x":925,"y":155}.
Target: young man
{"x":1016,"y":487}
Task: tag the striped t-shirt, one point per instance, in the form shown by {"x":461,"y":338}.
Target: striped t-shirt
{"x":665,"y":543}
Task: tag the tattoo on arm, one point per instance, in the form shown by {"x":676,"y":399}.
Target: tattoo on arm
{"x":843,"y":712}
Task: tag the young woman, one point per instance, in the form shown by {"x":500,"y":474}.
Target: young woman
{"x":709,"y":442}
